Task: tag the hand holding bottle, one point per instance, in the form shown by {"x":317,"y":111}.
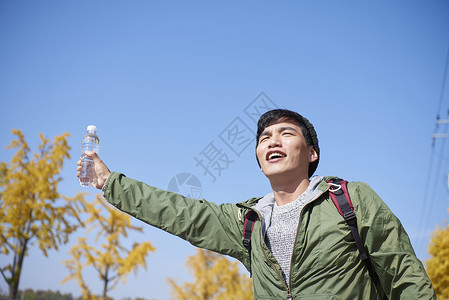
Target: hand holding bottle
{"x":101,"y":170}
{"x":91,"y":142}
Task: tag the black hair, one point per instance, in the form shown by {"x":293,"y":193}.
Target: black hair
{"x":276,"y":116}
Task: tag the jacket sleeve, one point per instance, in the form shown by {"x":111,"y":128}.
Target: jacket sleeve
{"x":401,"y":273}
{"x":204,"y":224}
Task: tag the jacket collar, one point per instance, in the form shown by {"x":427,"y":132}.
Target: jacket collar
{"x":265,"y":204}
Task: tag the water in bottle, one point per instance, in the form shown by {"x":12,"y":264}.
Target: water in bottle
{"x":90,"y":143}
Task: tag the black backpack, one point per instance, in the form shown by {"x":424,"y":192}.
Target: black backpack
{"x":340,"y":197}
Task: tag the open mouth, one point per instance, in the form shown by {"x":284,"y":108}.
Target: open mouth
{"x":273,"y":155}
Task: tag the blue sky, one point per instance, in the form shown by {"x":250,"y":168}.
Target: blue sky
{"x":164,"y":80}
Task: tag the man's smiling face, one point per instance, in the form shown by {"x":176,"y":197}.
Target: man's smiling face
{"x":282,"y":151}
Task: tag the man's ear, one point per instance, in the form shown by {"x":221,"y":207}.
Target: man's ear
{"x":313,"y":156}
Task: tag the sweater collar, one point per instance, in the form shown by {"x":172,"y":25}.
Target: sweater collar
{"x":265,"y":205}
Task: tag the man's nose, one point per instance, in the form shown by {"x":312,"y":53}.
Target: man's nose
{"x":275,"y":141}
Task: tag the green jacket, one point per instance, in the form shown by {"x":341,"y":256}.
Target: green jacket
{"x":325,"y":263}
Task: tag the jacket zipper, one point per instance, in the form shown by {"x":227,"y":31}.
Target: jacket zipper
{"x":287,"y":287}
{"x":296,"y":237}
{"x":289,"y":295}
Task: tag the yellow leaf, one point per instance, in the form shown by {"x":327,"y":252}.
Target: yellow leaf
{"x":215,"y":278}
{"x":110,"y":259}
{"x":29,"y":208}
{"x":437,"y":266}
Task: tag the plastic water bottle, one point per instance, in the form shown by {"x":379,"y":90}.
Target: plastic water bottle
{"x":91,"y":142}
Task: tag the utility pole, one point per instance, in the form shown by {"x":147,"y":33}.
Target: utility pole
{"x":441,"y":136}
{"x":439,"y":121}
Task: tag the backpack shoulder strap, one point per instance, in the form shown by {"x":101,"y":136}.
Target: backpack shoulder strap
{"x":340,"y":197}
{"x":248,"y":226}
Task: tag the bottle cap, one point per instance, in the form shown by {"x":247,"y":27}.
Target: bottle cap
{"x":92,"y":128}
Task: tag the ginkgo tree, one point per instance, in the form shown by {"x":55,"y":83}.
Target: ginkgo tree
{"x":437,"y":266}
{"x":215,"y":277}
{"x":111,"y":260}
{"x":31,"y":209}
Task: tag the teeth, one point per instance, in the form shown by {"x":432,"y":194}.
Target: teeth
{"x":275,"y":155}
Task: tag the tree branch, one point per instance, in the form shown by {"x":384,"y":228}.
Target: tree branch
{"x":4,"y":276}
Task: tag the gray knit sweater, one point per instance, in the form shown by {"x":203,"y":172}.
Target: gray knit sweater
{"x":282,"y":231}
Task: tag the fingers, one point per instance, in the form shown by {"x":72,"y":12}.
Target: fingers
{"x":94,"y":156}
{"x":91,"y":154}
{"x":101,"y":169}
{"x":78,"y":169}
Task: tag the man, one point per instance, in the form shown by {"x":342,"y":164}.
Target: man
{"x":301,"y":248}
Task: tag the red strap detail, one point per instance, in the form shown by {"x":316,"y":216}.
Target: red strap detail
{"x":244,"y":225}
{"x":334,"y":199}
{"x":252,"y":226}
{"x":344,"y":187}
{"x":251,"y":217}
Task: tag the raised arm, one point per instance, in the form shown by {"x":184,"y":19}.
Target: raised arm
{"x":101,"y":170}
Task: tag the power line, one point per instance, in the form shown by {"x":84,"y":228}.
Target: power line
{"x":443,"y":84}
{"x":428,"y":204}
